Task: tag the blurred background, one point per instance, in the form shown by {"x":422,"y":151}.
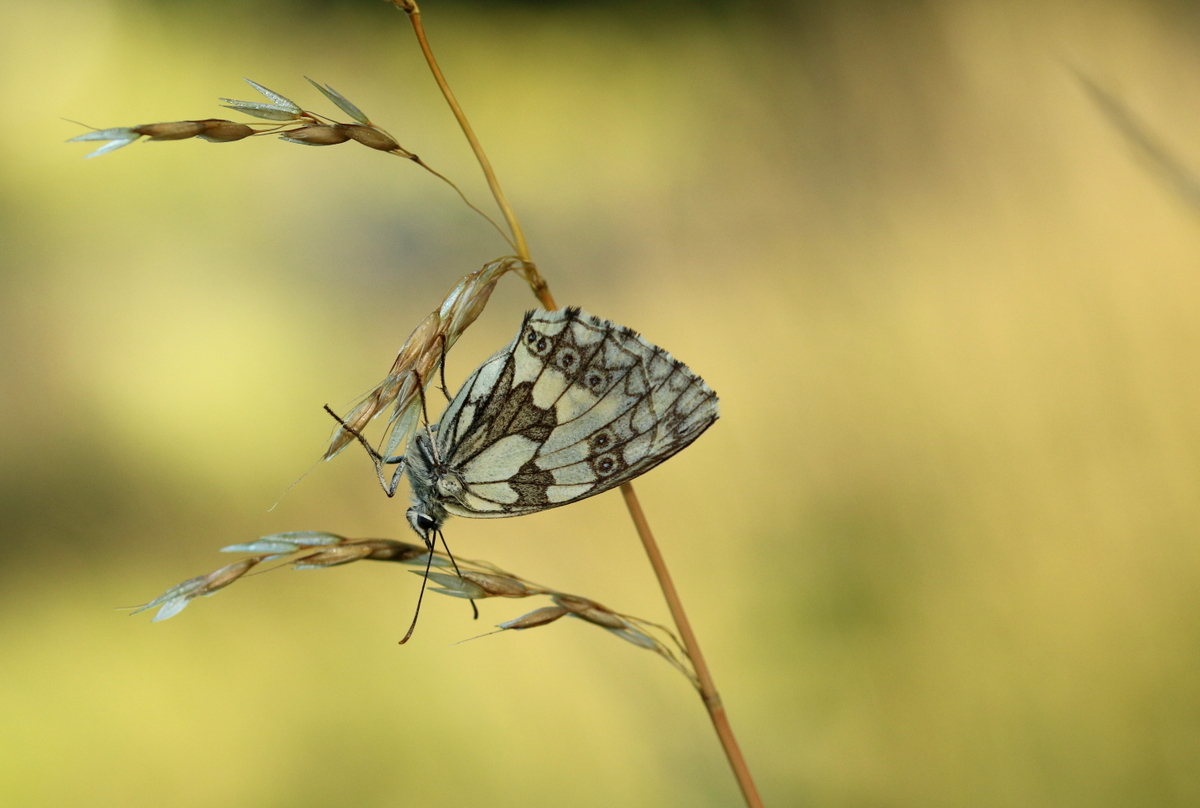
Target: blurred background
{"x":941,"y":549}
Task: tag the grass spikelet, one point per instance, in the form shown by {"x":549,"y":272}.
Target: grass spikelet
{"x":419,"y":360}
{"x":474,"y":580}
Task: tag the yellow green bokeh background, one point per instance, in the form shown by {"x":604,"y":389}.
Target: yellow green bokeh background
{"x":942,"y":549}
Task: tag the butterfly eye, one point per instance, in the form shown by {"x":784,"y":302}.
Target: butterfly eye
{"x":421,"y":522}
{"x":538,"y":344}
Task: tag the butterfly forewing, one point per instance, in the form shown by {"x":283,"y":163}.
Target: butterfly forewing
{"x":574,"y":406}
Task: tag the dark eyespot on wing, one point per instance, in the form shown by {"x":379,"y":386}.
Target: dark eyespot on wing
{"x":608,"y":464}
{"x":600,"y":441}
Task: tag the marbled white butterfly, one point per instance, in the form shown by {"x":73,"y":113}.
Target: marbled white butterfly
{"x":574,"y":406}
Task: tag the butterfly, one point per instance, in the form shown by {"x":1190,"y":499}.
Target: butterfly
{"x":574,"y":406}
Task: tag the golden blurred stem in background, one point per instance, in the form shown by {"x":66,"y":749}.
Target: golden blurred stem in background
{"x":708,"y":690}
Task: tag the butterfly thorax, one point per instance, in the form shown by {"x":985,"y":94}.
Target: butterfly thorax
{"x":432,"y":483}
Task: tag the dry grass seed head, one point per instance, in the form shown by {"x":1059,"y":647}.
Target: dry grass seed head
{"x":313,"y":129}
{"x":420,"y":357}
{"x":475,"y":580}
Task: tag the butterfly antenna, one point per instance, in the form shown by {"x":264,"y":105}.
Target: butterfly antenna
{"x":424,"y":580}
{"x":474,"y":608}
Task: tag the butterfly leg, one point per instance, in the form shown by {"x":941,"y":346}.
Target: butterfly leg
{"x":431,"y":538}
{"x":442,"y":536}
{"x":442,"y":367}
{"x":389,"y":486}
{"x":425,"y":414}
{"x":397,"y":475}
{"x":421,"y":393}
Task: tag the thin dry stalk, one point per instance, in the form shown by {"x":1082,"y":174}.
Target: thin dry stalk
{"x":708,"y":690}
{"x":704,"y":680}
{"x":540,"y":289}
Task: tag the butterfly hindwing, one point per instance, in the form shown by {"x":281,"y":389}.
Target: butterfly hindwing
{"x":574,"y":406}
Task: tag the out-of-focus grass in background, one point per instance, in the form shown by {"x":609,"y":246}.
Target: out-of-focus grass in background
{"x":941,"y":548}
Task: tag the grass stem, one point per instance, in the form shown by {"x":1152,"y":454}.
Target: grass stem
{"x":708,"y":690}
{"x":414,"y":15}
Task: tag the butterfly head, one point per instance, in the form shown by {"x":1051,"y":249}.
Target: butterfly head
{"x":424,"y":524}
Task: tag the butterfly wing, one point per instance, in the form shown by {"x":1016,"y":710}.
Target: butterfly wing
{"x":576,"y":405}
